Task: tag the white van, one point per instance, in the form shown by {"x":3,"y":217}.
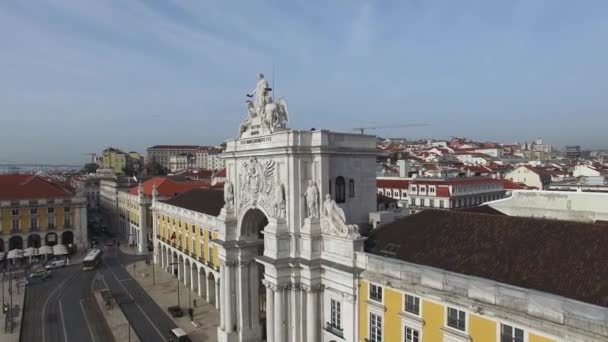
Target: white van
{"x":56,"y":264}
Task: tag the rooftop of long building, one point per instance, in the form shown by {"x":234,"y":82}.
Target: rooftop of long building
{"x":564,"y":258}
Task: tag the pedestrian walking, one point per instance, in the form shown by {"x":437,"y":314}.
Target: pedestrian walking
{"x":191,"y":313}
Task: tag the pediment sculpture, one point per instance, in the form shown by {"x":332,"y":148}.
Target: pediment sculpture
{"x":333,"y":221}
{"x":263,"y":114}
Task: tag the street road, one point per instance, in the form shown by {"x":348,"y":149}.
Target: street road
{"x":59,"y":309}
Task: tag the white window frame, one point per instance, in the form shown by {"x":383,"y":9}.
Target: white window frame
{"x":335,"y":307}
{"x":405,"y":295}
{"x":369,"y":331}
{"x":419,"y":331}
{"x":527,"y":331}
{"x":369,"y":293}
{"x":500,"y":325}
{"x":466,"y":319}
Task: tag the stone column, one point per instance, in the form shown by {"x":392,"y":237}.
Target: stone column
{"x":228,"y":298}
{"x":295,"y":312}
{"x":142,"y":242}
{"x":269,"y":311}
{"x":311,"y":314}
{"x":279,"y":314}
{"x":217,"y":295}
{"x":220,"y":290}
{"x":247,"y":294}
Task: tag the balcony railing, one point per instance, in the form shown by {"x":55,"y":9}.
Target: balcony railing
{"x":334,"y":330}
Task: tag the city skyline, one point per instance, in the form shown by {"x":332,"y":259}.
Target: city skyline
{"x":135,"y":75}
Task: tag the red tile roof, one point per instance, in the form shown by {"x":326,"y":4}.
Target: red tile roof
{"x":505,"y":249}
{"x":167,"y":187}
{"x":174,"y":147}
{"x":20,"y":187}
{"x":392,"y":183}
{"x":510,"y":185}
{"x":455,"y":181}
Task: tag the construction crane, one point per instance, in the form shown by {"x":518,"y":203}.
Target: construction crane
{"x":362,"y":129}
{"x":93,"y":155}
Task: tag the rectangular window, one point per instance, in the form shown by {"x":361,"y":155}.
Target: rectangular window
{"x":210,"y":248}
{"x":375,"y":328}
{"x":431,"y":203}
{"x":456,"y":319}
{"x":412,"y":304}
{"x":15,"y":212}
{"x":51,"y":221}
{"x":15,"y":223}
{"x":375,"y":292}
{"x":511,"y":334}
{"x":33,"y":211}
{"x":66,"y":209}
{"x":193,"y":244}
{"x":336,"y":314}
{"x":441,"y":205}
{"x":33,"y":223}
{"x":67,"y":223}
{"x":50,"y":210}
{"x":411,"y":335}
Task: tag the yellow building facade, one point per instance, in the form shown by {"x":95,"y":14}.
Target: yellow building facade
{"x":384,"y":315}
{"x":38,"y":213}
{"x":184,"y":244}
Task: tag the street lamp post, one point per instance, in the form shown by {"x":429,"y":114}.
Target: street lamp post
{"x":171,"y":264}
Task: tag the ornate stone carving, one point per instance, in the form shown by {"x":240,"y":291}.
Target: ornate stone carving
{"x":269,"y":285}
{"x":312,"y":200}
{"x":263,"y":111}
{"x":259,"y":187}
{"x":279,"y":199}
{"x":228,"y":195}
{"x":333,"y":221}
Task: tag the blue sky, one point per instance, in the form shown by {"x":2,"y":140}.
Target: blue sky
{"x":80,"y":75}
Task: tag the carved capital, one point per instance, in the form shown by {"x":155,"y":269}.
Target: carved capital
{"x":268,"y":284}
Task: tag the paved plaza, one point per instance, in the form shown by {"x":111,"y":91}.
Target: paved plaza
{"x":164,"y":293}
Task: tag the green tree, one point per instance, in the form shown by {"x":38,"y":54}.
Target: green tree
{"x":154,"y":168}
{"x":90,"y":167}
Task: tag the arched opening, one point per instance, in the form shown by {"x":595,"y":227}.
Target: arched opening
{"x":33,"y":241}
{"x":253,"y":224}
{"x":340,"y":190}
{"x":180,"y":266}
{"x":16,"y":242}
{"x":67,"y":238}
{"x":51,"y":239}
{"x":174,"y":265}
{"x":202,"y":283}
{"x":351,"y":188}
{"x":211,"y":288}
{"x":194,"y":278}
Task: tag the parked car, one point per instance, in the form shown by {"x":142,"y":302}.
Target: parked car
{"x":110,"y":243}
{"x":41,"y":273}
{"x":56,"y":264}
{"x":176,"y":311}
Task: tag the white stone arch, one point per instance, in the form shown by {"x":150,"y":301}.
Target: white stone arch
{"x":211,"y":280}
{"x":202,"y":282}
{"x":240,"y":233}
{"x":186,"y":269}
{"x":193,"y":271}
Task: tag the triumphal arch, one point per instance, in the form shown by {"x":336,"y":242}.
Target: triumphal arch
{"x":295,"y":203}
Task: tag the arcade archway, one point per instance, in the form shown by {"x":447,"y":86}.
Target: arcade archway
{"x":252,"y":227}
